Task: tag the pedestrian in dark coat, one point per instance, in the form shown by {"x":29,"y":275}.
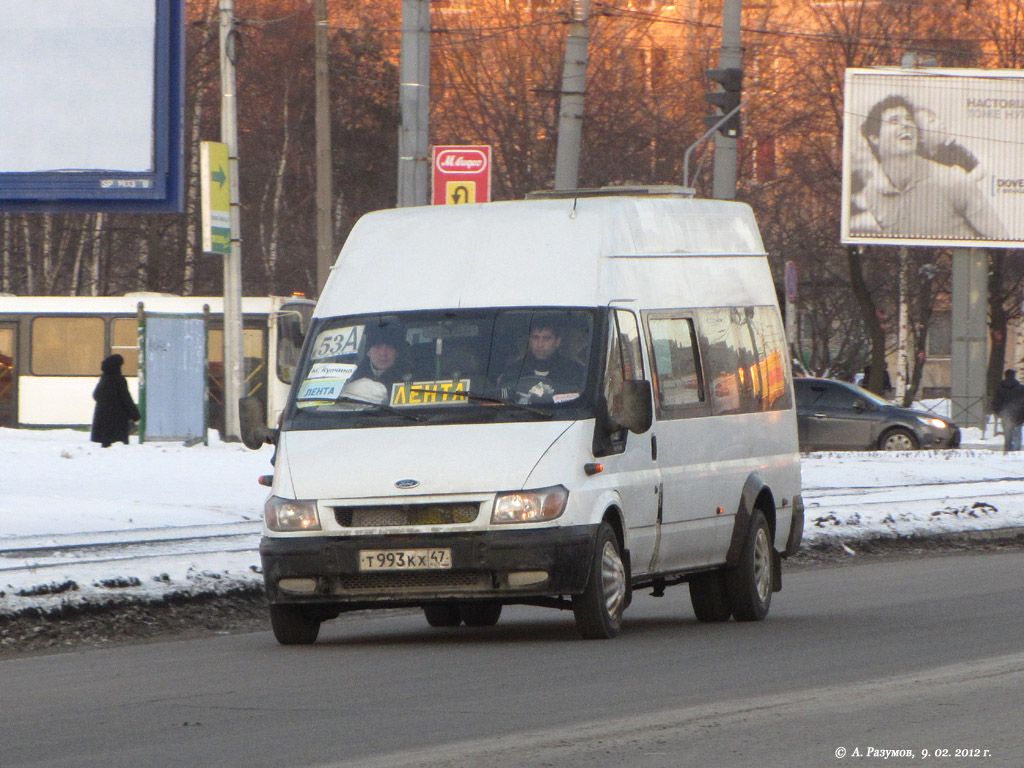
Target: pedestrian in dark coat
{"x":114,"y":405}
{"x":1008,"y":405}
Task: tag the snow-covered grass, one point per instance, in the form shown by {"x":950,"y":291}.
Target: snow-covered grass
{"x":60,"y":492}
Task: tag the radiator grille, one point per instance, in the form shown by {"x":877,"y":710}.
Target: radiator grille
{"x":406,"y":514}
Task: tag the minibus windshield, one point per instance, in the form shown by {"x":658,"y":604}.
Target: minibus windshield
{"x":445,"y":366}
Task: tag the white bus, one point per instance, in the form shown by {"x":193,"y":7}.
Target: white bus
{"x":51,"y":348}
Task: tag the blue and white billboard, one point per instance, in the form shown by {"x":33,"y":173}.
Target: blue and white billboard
{"x":91,"y":95}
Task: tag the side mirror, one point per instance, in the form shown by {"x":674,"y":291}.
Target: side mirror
{"x":255,"y":432}
{"x":636,"y":414}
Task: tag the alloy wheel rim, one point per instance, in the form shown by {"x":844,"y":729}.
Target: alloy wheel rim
{"x":613,"y":578}
{"x":762,"y":565}
{"x":899,"y":442}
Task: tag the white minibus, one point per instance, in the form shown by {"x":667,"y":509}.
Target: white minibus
{"x":553,"y":401}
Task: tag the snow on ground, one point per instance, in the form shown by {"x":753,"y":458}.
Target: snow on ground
{"x":62,"y":495}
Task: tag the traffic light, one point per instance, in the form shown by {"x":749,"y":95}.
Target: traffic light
{"x":727,"y":99}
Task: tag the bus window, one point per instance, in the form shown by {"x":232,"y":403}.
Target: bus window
{"x":67,"y":346}
{"x":290,"y":332}
{"x":125,"y":342}
{"x":8,"y":380}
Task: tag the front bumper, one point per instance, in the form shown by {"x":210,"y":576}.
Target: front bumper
{"x":504,"y":565}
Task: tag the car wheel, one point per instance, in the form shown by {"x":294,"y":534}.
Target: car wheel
{"x":898,"y":439}
{"x":442,"y":614}
{"x":480,"y":614}
{"x":294,"y":624}
{"x":709,"y":597}
{"x":598,"y":610}
{"x":749,"y":583}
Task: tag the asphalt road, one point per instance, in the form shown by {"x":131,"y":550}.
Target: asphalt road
{"x":919,"y":654}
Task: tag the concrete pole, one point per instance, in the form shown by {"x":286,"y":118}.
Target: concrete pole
{"x":325,"y":254}
{"x":574,"y":82}
{"x":414,"y":102}
{"x":970,"y":337}
{"x":233,"y":261}
{"x":731,"y":55}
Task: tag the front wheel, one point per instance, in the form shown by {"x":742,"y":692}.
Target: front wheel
{"x":598,"y":610}
{"x":294,"y":624}
{"x":898,"y":439}
{"x":749,"y":583}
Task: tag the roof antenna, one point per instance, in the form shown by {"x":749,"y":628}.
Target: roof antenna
{"x":575,"y":199}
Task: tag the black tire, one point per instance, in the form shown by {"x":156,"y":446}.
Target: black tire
{"x":294,"y":624}
{"x":749,"y":583}
{"x":598,"y":610}
{"x":480,"y":614}
{"x":898,"y":439}
{"x":442,"y":614}
{"x":709,"y":597}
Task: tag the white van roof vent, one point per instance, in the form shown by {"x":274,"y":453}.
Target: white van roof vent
{"x":656,"y":190}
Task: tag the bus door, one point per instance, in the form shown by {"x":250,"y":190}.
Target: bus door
{"x":8,"y":375}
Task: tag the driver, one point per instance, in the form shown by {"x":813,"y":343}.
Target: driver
{"x":385,"y":364}
{"x":543,"y":372}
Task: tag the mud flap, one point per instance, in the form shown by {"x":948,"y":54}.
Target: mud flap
{"x":776,"y":571}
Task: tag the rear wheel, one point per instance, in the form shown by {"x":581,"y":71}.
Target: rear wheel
{"x":442,"y":614}
{"x":598,"y":610}
{"x":749,"y":583}
{"x":480,"y":614}
{"x":294,"y":624}
{"x":709,"y":597}
{"x":898,"y":439}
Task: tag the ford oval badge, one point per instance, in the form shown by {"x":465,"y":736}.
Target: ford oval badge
{"x":407,"y":484}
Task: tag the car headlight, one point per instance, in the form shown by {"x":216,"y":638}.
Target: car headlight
{"x":291,"y":514}
{"x":933,"y":422}
{"x":530,"y":506}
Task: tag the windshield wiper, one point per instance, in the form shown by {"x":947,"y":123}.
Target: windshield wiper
{"x":490,"y":399}
{"x":382,"y":407}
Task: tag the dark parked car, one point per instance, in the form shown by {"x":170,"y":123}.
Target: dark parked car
{"x":835,"y":415}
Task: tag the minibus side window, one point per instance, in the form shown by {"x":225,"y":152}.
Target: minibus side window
{"x":770,"y":342}
{"x":746,"y":359}
{"x":678,"y":382}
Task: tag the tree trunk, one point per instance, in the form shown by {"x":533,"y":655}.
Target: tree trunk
{"x":998,"y":321}
{"x":869,"y":313}
{"x":95,"y":270}
{"x":5,"y":257}
{"x":30,"y":283}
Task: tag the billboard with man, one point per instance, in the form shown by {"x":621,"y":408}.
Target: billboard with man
{"x":933,"y":157}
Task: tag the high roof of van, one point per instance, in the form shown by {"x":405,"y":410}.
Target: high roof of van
{"x":582,"y":251}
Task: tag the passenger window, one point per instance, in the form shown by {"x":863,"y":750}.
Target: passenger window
{"x":772,"y":355}
{"x":67,"y":346}
{"x":746,"y":359}
{"x":677,"y":374}
{"x":125,"y":342}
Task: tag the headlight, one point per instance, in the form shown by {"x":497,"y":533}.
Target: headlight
{"x":529,"y":506}
{"x":291,"y":514}
{"x":934,"y":423}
